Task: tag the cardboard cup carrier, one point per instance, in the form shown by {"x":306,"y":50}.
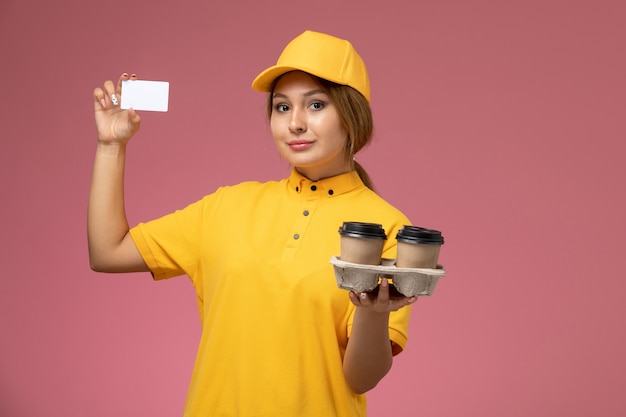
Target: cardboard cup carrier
{"x":414,"y":272}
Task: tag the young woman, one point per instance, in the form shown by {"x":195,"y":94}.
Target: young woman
{"x":278,"y":336}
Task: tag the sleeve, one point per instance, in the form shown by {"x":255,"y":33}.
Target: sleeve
{"x":170,"y":245}
{"x":399,"y":328}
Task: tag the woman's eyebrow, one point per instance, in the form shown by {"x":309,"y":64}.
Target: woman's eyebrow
{"x":307,"y":94}
{"x":313,"y":92}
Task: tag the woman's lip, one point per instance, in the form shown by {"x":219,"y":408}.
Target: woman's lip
{"x":299,"y":145}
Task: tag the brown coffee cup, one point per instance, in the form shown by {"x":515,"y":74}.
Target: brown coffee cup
{"x":418,"y":247}
{"x":362,"y":243}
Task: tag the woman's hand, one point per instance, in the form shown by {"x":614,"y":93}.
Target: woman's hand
{"x":114,"y":125}
{"x":380,"y":302}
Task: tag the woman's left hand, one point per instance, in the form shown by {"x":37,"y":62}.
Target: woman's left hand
{"x":381,"y":302}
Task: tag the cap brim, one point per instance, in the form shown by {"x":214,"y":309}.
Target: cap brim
{"x":263,"y":82}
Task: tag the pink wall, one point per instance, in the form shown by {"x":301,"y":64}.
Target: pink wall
{"x":500,"y":122}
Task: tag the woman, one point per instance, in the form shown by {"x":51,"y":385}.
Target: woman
{"x":279,"y":337}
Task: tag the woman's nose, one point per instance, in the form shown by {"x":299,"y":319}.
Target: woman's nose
{"x":297,"y":123}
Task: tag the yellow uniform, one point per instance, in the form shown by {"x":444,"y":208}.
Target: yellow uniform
{"x":274,"y":323}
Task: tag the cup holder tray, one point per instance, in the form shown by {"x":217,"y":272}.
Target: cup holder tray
{"x":365,"y":278}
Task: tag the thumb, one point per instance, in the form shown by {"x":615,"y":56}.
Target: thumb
{"x":134,"y":119}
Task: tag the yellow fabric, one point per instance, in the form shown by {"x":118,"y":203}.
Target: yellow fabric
{"x":274,"y":323}
{"x":328,"y":57}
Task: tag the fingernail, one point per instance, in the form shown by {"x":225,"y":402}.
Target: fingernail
{"x":103,"y":102}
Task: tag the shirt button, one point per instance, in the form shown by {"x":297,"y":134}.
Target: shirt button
{"x":313,"y":188}
{"x":330,"y":192}
{"x":305,"y":212}
{"x":296,"y":236}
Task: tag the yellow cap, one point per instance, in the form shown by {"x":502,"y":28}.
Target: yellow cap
{"x":322,"y":55}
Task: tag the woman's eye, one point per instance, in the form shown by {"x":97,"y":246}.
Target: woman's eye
{"x":317,"y":105}
{"x":281,"y":107}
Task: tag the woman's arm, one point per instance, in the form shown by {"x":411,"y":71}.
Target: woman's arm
{"x":369,"y":355}
{"x":111,"y":248}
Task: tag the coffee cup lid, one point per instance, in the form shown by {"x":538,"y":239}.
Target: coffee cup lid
{"x":422,"y":235}
{"x":360,"y":229}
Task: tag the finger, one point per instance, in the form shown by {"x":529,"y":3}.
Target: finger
{"x":98,"y":99}
{"x":383,"y":292}
{"x":354,"y":297}
{"x":123,"y":77}
{"x":367,"y":299}
{"x":108,"y":87}
{"x":109,"y":90}
{"x":403,"y":302}
{"x":111,"y":95}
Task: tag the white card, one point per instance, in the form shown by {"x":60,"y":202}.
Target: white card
{"x":145,"y":95}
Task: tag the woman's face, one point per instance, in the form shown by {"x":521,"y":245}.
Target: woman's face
{"x":306,"y":127}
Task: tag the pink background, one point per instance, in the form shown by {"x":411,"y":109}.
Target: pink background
{"x":499,"y":122}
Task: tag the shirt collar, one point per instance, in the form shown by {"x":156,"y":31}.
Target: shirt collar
{"x":331,"y":186}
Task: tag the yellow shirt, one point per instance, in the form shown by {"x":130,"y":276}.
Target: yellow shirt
{"x":274,"y":323}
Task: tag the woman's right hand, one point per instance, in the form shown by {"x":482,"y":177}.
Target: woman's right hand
{"x":114,"y":125}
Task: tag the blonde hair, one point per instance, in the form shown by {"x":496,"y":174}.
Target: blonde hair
{"x":356,"y":119}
